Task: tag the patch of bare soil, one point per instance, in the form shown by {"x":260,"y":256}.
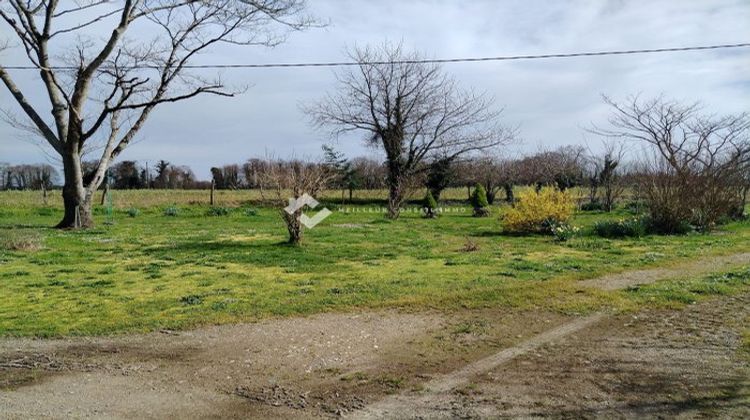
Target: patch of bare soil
{"x":698,"y":267}
{"x":656,"y":364}
{"x":321,"y":366}
{"x":197,"y":373}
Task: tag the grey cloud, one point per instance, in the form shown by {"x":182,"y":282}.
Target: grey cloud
{"x":550,"y":99}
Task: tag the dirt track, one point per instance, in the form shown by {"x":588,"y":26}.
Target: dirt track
{"x":653,"y":363}
{"x":656,"y":364}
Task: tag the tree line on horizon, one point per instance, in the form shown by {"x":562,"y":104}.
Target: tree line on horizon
{"x":603,"y":176}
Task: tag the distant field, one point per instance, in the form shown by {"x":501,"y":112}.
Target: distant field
{"x":154,"y":271}
{"x":124,"y":199}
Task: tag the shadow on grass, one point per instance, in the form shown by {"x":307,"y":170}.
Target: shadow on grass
{"x":27,"y":226}
{"x":503,"y":234}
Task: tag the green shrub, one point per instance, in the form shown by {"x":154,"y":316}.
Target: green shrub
{"x":133,"y":212}
{"x":592,"y":206}
{"x":191,"y":300}
{"x":217,"y":211}
{"x":429,"y":205}
{"x":479,"y":201}
{"x":673,"y":227}
{"x":171,"y":211}
{"x":250,"y":212}
{"x":634,"y":227}
{"x":635,"y":207}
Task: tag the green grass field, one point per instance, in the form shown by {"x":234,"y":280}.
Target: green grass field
{"x":154,"y":271}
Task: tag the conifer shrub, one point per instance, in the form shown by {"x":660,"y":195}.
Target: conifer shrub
{"x":429,"y":206}
{"x":479,"y":202}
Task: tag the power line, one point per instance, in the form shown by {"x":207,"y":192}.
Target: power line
{"x":424,"y":61}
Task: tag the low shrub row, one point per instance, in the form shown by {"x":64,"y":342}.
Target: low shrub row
{"x":548,"y":211}
{"x":634,"y":227}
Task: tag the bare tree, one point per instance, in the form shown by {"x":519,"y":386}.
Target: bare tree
{"x":562,"y":167}
{"x":226,"y":177}
{"x":698,"y":161}
{"x":370,"y":173}
{"x":284,"y":182}
{"x":497,"y":174}
{"x":105,"y":91}
{"x":412,"y":110}
{"x":28,"y":177}
{"x":5,"y":175}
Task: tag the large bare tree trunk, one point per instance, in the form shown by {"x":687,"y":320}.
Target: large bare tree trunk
{"x":395,"y":198}
{"x":76,"y":201}
{"x":293,"y":226}
{"x":396,"y":184}
{"x":77,"y":211}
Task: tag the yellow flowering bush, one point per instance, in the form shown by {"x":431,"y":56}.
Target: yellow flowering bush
{"x":539,"y":212}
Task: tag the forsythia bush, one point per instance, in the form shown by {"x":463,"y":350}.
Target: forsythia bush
{"x":539,"y":212}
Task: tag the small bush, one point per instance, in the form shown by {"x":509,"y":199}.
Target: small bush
{"x":171,"y":211}
{"x":481,"y":212}
{"x":634,"y":207}
{"x":470,"y":246}
{"x":133,"y":212}
{"x":429,"y":205}
{"x":479,"y":201}
{"x":191,"y":300}
{"x":635,"y":227}
{"x":217,"y":211}
{"x":564,"y":231}
{"x":250,"y":212}
{"x":674,"y":227}
{"x":592,"y":206}
{"x":539,"y":212}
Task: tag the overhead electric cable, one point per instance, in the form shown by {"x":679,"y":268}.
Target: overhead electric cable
{"x":425,"y":61}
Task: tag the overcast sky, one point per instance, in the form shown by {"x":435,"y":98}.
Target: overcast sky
{"x":551,"y":100}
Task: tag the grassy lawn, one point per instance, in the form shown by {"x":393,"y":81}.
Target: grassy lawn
{"x":154,"y":271}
